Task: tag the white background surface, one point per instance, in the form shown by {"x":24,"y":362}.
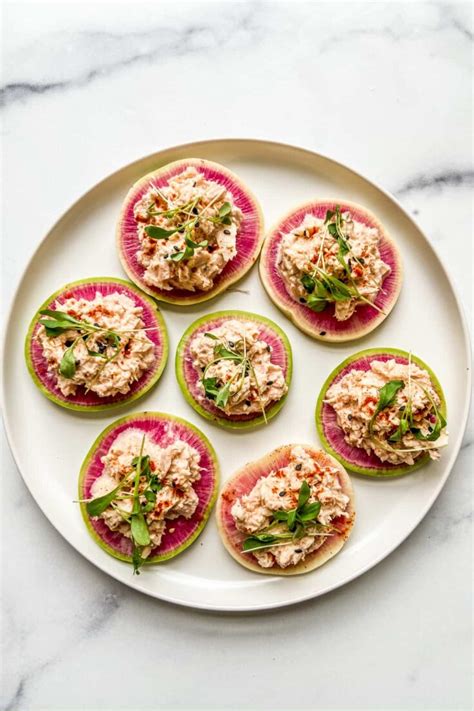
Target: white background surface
{"x":382,"y":87}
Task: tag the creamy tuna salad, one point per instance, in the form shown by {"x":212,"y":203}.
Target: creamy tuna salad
{"x":391,"y":410}
{"x":100,"y":344}
{"x":290,"y":513}
{"x":144,"y":488}
{"x":332,"y":261}
{"x":187,"y":232}
{"x":236,"y":368}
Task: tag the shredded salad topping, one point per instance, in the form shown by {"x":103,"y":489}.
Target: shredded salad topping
{"x":332,"y":261}
{"x":291,"y":512}
{"x":391,"y":410}
{"x":187,"y":232}
{"x":236,"y":368}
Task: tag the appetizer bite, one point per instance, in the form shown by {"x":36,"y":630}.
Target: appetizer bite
{"x":332,"y":269}
{"x":382,"y":412}
{"x":188,"y":230}
{"x":95,"y":344}
{"x":234,"y":368}
{"x":288,"y":512}
{"x":147,"y":486}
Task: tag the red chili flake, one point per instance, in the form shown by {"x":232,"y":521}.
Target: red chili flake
{"x":369,"y":399}
{"x":152,"y":465}
{"x":140,"y":218}
{"x":358,"y":271}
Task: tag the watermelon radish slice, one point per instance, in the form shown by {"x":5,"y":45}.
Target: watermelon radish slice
{"x":331,"y":434}
{"x":324,"y":326}
{"x":242,"y":484}
{"x":163,"y":429}
{"x":249,"y":236}
{"x":90,"y":401}
{"x":188,"y":376}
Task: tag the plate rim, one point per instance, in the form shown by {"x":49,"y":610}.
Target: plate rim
{"x":311,"y":154}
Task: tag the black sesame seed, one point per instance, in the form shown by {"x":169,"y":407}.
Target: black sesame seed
{"x":281,"y":493}
{"x":349,"y":417}
{"x":194,"y":184}
{"x":270,"y":382}
{"x":248,"y":403}
{"x":101,"y":347}
{"x":176,"y":248}
{"x":78,"y":362}
{"x":227,"y":232}
{"x":69,"y":343}
{"x":195,"y":211}
{"x":197,"y":223}
{"x":269,"y":349}
{"x":322,"y":333}
{"x":231,"y":344}
{"x":299,"y":467}
{"x":362,"y":261}
{"x":302,"y":301}
{"x":96,"y":324}
{"x":298,"y":550}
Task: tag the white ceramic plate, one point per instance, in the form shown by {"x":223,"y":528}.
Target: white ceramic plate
{"x":81,"y":244}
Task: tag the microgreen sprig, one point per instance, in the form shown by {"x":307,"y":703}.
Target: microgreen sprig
{"x":324,"y":288}
{"x":297,"y":521}
{"x":143,"y":500}
{"x":226,"y":351}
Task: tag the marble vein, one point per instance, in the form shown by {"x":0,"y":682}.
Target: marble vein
{"x":164,"y":44}
{"x":447,"y":179}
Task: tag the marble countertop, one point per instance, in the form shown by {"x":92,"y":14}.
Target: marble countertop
{"x":383,"y":87}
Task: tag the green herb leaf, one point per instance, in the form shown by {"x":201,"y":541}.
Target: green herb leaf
{"x":280,"y":515}
{"x":305,"y":493}
{"x":291,"y":519}
{"x":308,"y":283}
{"x":211,"y":335}
{"x":210,"y":388}
{"x":387,"y":395}
{"x":315,"y":303}
{"x":100,"y":503}
{"x":158,"y":232}
{"x":225,"y":209}
{"x":329,"y":215}
{"x":139,"y":530}
{"x":309,"y":512}
{"x":223,"y":395}
{"x":67,"y":367}
{"x":221,"y":351}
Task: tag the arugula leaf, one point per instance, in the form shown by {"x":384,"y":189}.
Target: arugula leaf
{"x":210,"y":388}
{"x":329,"y":215}
{"x":67,"y":367}
{"x":156,"y":232}
{"x":98,"y":505}
{"x":387,"y":395}
{"x":211,"y":335}
{"x":315,"y":303}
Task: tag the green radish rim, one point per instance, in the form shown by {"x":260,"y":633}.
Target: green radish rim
{"x":160,"y":365}
{"x":183,"y":384}
{"x":205,"y":515}
{"x":381,"y":472}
